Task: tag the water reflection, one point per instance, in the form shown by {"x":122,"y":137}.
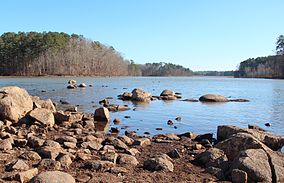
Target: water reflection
{"x":140,"y":104}
{"x":102,"y":126}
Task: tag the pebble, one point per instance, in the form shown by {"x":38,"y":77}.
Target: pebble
{"x":267,"y":124}
{"x":170,"y":122}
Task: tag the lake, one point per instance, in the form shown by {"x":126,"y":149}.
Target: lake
{"x":266,"y":101}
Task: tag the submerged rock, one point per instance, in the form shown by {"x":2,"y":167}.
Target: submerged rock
{"x":168,"y":95}
{"x":213,"y":98}
{"x":71,"y":86}
{"x":82,"y":85}
{"x":126,"y":96}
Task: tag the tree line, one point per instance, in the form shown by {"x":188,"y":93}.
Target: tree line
{"x":215,"y":73}
{"x":54,"y":53}
{"x":264,"y":67}
{"x":58,"y":53}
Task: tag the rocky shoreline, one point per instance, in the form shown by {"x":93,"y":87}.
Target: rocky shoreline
{"x":40,"y":143}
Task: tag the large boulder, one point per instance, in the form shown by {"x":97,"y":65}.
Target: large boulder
{"x":277,"y":165}
{"x":140,"y":95}
{"x":101,"y":114}
{"x":53,"y":177}
{"x":274,"y":142}
{"x":43,"y":116}
{"x":15,"y":103}
{"x":237,"y":143}
{"x":255,"y":163}
{"x":213,"y":98}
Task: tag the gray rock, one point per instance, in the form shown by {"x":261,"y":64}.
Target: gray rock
{"x":99,"y":165}
{"x":49,"y":152}
{"x":109,"y":156}
{"x":132,"y":151}
{"x":239,"y":142}
{"x":35,"y":142}
{"x":94,"y":145}
{"x":213,"y":98}
{"x":17,"y":165}
{"x":159,"y":163}
{"x":142,"y":142}
{"x":52,"y":143}
{"x":213,"y":157}
{"x":31,"y":156}
{"x":174,"y":154}
{"x":277,"y":165}
{"x":127,"y":160}
{"x":274,"y":142}
{"x":26,"y":176}
{"x":65,"y":161}
{"x":118,"y":144}
{"x":101,"y":114}
{"x":43,"y":116}
{"x":60,"y":117}
{"x":127,"y":140}
{"x":53,"y":177}
{"x":47,"y":104}
{"x":66,"y":138}
{"x":167,"y":92}
{"x":49,"y":164}
{"x":69,"y":145}
{"x":5,"y":144}
{"x":15,"y":103}
{"x":255,"y":163}
{"x":140,"y":95}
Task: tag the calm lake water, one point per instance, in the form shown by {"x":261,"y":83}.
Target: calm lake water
{"x":266,"y":101}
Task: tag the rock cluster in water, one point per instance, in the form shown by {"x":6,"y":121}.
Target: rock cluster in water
{"x":40,"y":143}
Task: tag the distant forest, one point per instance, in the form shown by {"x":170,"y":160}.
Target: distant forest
{"x":215,"y":73}
{"x":58,"y":53}
{"x":264,"y":67}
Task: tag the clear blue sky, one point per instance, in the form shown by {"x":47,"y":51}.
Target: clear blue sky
{"x":199,"y":34}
